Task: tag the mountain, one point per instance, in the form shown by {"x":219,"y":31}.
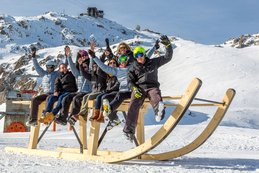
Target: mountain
{"x":53,"y":29}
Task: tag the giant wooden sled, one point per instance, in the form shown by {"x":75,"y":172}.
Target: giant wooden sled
{"x":89,"y":150}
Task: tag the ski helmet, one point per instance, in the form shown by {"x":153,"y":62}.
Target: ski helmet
{"x":123,"y":58}
{"x":138,"y":50}
{"x":84,"y":53}
{"x":50,"y":63}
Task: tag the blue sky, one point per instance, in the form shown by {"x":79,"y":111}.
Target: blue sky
{"x":208,"y":22}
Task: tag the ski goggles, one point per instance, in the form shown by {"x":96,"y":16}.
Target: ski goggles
{"x":50,"y":66}
{"x":138,"y":55}
{"x":123,"y":58}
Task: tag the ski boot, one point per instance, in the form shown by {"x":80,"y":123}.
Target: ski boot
{"x":95,"y":115}
{"x":49,"y":116}
{"x":113,"y":123}
{"x":106,"y":107}
{"x":31,"y":123}
{"x":72,"y":119}
{"x":160,"y":111}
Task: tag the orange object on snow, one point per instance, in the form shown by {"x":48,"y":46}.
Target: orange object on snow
{"x":16,"y":127}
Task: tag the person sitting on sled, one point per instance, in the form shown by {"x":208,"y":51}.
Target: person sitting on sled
{"x":143,"y":81}
{"x":48,"y":79}
{"x":84,"y":85}
{"x":109,"y":94}
{"x":64,"y":85}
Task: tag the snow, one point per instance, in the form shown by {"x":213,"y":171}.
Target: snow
{"x":225,"y":151}
{"x":232,"y":148}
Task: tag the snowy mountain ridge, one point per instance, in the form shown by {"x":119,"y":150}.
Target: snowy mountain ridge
{"x":52,"y":29}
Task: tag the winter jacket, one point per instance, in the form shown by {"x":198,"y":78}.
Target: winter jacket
{"x":48,"y":79}
{"x":66,"y":83}
{"x":112,"y":84}
{"x":146,"y":75}
{"x":83,"y":84}
{"x":120,"y":73}
{"x":98,"y":79}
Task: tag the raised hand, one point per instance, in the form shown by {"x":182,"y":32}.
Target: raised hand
{"x":165,"y":40}
{"x":33,"y":51}
{"x":91,"y":53}
{"x":67,"y":51}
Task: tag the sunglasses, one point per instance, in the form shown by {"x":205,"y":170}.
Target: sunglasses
{"x":112,"y":62}
{"x":123,"y":58}
{"x":123,"y":47}
{"x":139,"y":55}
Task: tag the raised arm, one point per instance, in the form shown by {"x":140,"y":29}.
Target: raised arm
{"x":86,"y":74}
{"x":153,"y":49}
{"x":38,"y":68}
{"x":73,"y":68}
{"x":169,"y":52}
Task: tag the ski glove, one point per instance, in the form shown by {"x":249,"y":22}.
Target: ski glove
{"x":137,"y":92}
{"x":33,"y":51}
{"x":107,"y":42}
{"x":157,"y":44}
{"x":91,"y":53}
{"x":165,"y":41}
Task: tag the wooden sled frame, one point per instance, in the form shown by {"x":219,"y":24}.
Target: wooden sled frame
{"x":92,"y":153}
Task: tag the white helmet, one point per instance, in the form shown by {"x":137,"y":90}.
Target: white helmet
{"x":50,"y":63}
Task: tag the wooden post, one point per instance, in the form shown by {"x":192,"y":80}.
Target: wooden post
{"x":82,"y":131}
{"x":69,"y":127}
{"x":34,"y":134}
{"x":54,"y":126}
{"x":140,"y":131}
{"x":93,"y":138}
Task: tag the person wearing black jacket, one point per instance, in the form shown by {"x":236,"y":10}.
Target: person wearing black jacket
{"x":143,"y":81}
{"x":109,"y":94}
{"x":64,"y":85}
{"x":98,"y":80}
{"x":84,"y":86}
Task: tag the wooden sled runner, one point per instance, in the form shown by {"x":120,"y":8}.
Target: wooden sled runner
{"x":139,"y":152}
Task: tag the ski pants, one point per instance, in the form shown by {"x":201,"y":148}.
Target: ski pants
{"x":77,"y":102}
{"x":116,"y":102}
{"x":154,"y":96}
{"x":66,"y":101}
{"x":36,"y":101}
{"x":109,"y":96}
{"x":84,"y":108}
